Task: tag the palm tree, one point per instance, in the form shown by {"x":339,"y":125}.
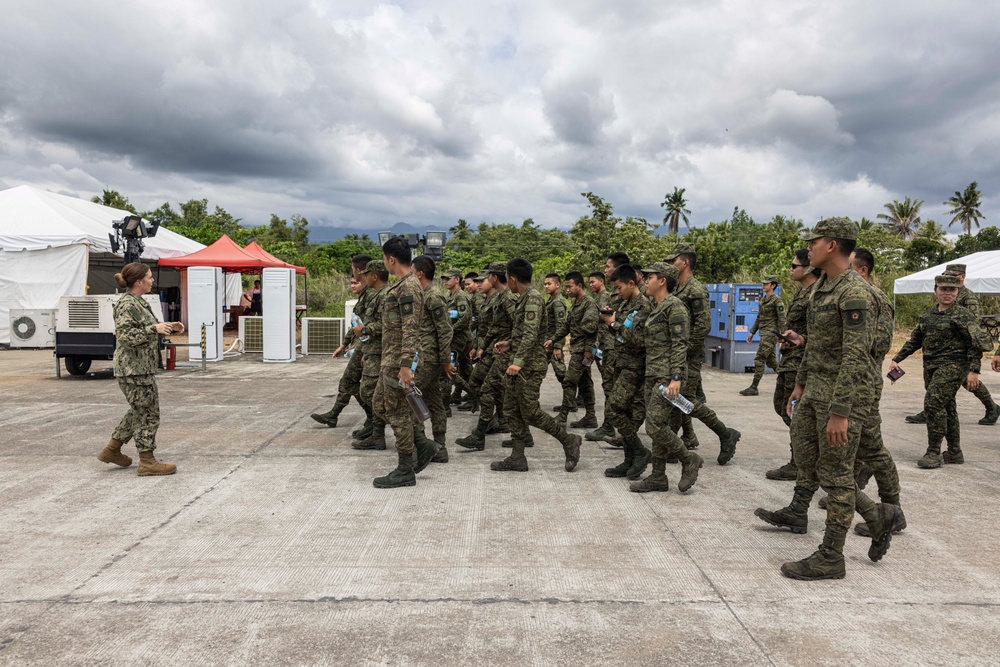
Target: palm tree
{"x":965,"y":207}
{"x":903,"y":217}
{"x":461,"y":231}
{"x":866,"y":224}
{"x":115,"y":199}
{"x":931,"y":230}
{"x":674,"y":210}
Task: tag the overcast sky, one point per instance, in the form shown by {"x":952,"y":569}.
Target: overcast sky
{"x":359,"y":114}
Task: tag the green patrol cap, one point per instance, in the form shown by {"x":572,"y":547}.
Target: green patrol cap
{"x":947,"y":280}
{"x":499,"y":268}
{"x":479,"y":278}
{"x":958,"y":269}
{"x":680,"y":249}
{"x":374,"y":265}
{"x":833,"y":228}
{"x":452,"y":273}
{"x":662,"y":269}
{"x":770,"y":278}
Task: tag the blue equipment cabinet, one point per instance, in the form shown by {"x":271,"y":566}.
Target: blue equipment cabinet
{"x":734,"y":310}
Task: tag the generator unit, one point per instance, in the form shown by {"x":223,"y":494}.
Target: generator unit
{"x":32,"y":328}
{"x":321,"y":335}
{"x":734,"y":309}
{"x":85,"y":328}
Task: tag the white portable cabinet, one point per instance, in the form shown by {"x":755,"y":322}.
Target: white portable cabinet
{"x":278,"y":304}
{"x":206,"y":292}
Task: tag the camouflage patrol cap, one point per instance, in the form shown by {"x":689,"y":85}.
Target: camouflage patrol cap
{"x":957,"y":269}
{"x":499,"y":268}
{"x":480,"y":277}
{"x":833,"y":228}
{"x":770,"y":278}
{"x":947,"y":280}
{"x":680,"y":249}
{"x":662,"y":269}
{"x":374,"y":265}
{"x":452,"y":273}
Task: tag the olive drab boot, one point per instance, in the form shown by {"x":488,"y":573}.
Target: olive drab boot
{"x":366,"y":428}
{"x":795,"y":517}
{"x":656,"y":481}
{"x":606,"y":430}
{"x":622,"y":468}
{"x":919,"y":418}
{"x":953,"y":456}
{"x":932,"y":459}
{"x":498,"y":425}
{"x":880,"y":523}
{"x":529,"y":441}
{"x":751,"y":390}
{"x":728,"y":438}
{"x":149,"y":466}
{"x":475,"y":440}
{"x":516,"y":462}
{"x":992,"y":414}
{"x":112,"y":453}
{"x":589,"y":420}
{"x":827,"y":562}
{"x":376,"y":440}
{"x":403,"y":475}
{"x":898,"y":522}
{"x":424,"y":450}
{"x":786,"y":473}
{"x":689,"y":472}
{"x":642,"y":458}
{"x":571,"y":446}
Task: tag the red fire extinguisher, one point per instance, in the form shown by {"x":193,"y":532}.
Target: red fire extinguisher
{"x":171,"y":357}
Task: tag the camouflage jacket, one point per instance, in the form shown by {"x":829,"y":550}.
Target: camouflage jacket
{"x":137,"y":350}
{"x":484,"y":322}
{"x":373,"y":324}
{"x":581,"y":324}
{"x":461,"y":326}
{"x":770,"y":316}
{"x":605,"y":339}
{"x":791,"y":358}
{"x":555,"y":317}
{"x":400,"y":332}
{"x":629,"y":352}
{"x":967,"y":299}
{"x":950,"y":337}
{"x":528,"y":332}
{"x":476,"y":301}
{"x":435,"y":329}
{"x":665,"y":336}
{"x":840,"y":331}
{"x":360,"y":309}
{"x":695,"y":297}
{"x":501,"y":320}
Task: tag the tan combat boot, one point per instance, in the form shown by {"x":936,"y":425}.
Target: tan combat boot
{"x":112,"y":453}
{"x":149,"y":466}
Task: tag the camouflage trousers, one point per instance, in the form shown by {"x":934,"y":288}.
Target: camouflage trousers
{"x":465,"y":366}
{"x":521,"y":405}
{"x":659,"y":415}
{"x":832,"y":468}
{"x":390,"y":405}
{"x":350,"y":383}
{"x":607,"y":368}
{"x":941,"y":385}
{"x":558,"y":366}
{"x":872,"y":452}
{"x":428,"y":381}
{"x":143,"y":416}
{"x":492,"y":394}
{"x":783,"y":388}
{"x":578,"y":379}
{"x":692,"y":390}
{"x":625,"y":408}
{"x":982,"y":392}
{"x":369,"y":381}
{"x":765,"y":355}
{"x":480,"y":371}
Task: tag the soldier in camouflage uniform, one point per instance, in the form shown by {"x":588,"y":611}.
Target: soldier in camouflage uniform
{"x":828,"y":418}
{"x":137,"y":355}
{"x":401,"y":313}
{"x":350,"y":381}
{"x":377,"y":277}
{"x":477,"y":299}
{"x":581,"y":324}
{"x":526,"y":372}
{"x":626,"y":406}
{"x":605,"y":351}
{"x":665,"y":340}
{"x":791,"y":357}
{"x":435,"y":356}
{"x":555,"y":317}
{"x":492,"y":395}
{"x":953,"y":345}
{"x":484,"y":316}
{"x":460,"y":312}
{"x":770,"y":320}
{"x":967,"y":299}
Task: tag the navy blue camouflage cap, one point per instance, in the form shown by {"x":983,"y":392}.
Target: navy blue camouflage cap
{"x":374,"y":265}
{"x":662,"y":269}
{"x":680,"y":249}
{"x":833,"y":228}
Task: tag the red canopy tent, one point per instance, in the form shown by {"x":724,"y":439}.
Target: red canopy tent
{"x":255,"y":249}
{"x":226,"y":254}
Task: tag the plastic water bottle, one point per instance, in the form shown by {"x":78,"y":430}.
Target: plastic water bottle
{"x":349,"y":353}
{"x":598,"y":352}
{"x":355,"y":321}
{"x":587,"y":362}
{"x":627,"y":324}
{"x":413,"y":366}
{"x":453,"y":314}
{"x":678,"y":401}
{"x":447,"y":380}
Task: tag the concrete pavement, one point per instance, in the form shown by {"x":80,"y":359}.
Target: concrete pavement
{"x":270,"y":545}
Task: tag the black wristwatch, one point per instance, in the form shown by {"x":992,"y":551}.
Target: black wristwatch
{"x":678,"y":377}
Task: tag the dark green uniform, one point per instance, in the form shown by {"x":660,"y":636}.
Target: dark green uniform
{"x":555,"y":317}
{"x":435,"y":352}
{"x":372,"y":351}
{"x":694,"y":296}
{"x":788,"y":368}
{"x":491,"y":398}
{"x":770,"y":321}
{"x":968,"y":300}
{"x":350,"y":380}
{"x":605,"y":363}
{"x":135,"y":361}
{"x":460,"y":308}
{"x":483,"y":323}
{"x":626,"y":406}
{"x":581,"y":324}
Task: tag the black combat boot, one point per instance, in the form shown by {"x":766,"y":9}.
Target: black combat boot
{"x":689,"y":471}
{"x":365,"y":430}
{"x":642,"y":458}
{"x":376,"y":440}
{"x":656,"y":481}
{"x":919,"y":418}
{"x":571,"y":446}
{"x":786,"y":473}
{"x":992,"y":414}
{"x":728,"y":437}
{"x":424,"y":450}
{"x":826,"y":563}
{"x":606,"y":430}
{"x":475,"y":440}
{"x":402,"y":476}
{"x":589,"y":420}
{"x":621,"y":470}
{"x":795,"y":517}
{"x":516,"y":462}
{"x":880,"y":523}
{"x":529,"y":441}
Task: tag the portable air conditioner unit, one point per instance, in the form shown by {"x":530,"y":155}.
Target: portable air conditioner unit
{"x":252,"y":333}
{"x":278,"y":301}
{"x":321,"y":335}
{"x":32,"y":328}
{"x":206,"y":293}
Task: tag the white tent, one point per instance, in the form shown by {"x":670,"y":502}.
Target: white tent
{"x":982,"y":275}
{"x":52,"y":245}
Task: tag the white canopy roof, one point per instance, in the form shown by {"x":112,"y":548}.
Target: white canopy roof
{"x":982,"y":275}
{"x":33,"y":219}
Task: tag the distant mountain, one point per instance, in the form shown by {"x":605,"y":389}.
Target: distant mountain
{"x":325,"y":234}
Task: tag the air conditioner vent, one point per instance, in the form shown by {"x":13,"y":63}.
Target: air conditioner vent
{"x":84,"y":315}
